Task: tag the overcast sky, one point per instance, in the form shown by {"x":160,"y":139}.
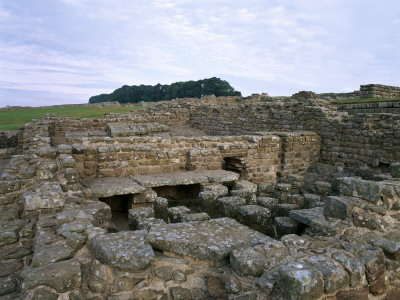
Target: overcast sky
{"x":64,"y":51}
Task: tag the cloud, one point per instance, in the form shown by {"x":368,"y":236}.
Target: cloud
{"x":86,"y":47}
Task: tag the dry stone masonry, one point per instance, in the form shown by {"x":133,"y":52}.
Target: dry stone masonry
{"x":215,"y":198}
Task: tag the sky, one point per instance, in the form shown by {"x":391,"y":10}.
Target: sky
{"x":65,"y":51}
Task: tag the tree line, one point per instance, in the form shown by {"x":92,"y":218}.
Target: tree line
{"x":187,"y":89}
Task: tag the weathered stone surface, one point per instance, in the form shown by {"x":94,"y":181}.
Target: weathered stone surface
{"x":8,"y":285}
{"x":9,"y":267}
{"x":9,"y":233}
{"x":395,"y":169}
{"x":179,"y":293}
{"x":372,"y":258}
{"x":390,"y":244}
{"x":268,"y":281}
{"x":354,"y":268}
{"x":246,"y":194}
{"x":210,"y":240}
{"x":358,"y":294}
{"x":315,"y":220}
{"x":186,"y":178}
{"x":110,"y":186}
{"x":367,"y":220}
{"x":338,"y":207}
{"x":322,"y":188}
{"x":67,"y":161}
{"x":334,"y":276}
{"x":229,"y":206}
{"x":195,"y":217}
{"x":135,"y":214}
{"x":298,"y":280}
{"x":220,"y":189}
{"x":42,"y":293}
{"x":62,"y":276}
{"x":50,"y":254}
{"x":231,"y":282}
{"x":146,"y":223}
{"x":149,"y":295}
{"x":216,"y":287}
{"x":247,"y":261}
{"x":125,"y":250}
{"x":364,"y":189}
{"x":245,"y":185}
{"x":46,"y":195}
{"x":267,"y":202}
{"x":175,"y":213}
{"x":9,"y":214}
{"x":311,"y":200}
{"x":7,"y":186}
{"x":257,"y":218}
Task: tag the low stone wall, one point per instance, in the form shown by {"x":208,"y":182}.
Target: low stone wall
{"x":389,"y":107}
{"x":261,"y":157}
{"x":379,"y":91}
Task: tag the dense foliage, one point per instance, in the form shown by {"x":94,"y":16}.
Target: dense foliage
{"x":192,"y":89}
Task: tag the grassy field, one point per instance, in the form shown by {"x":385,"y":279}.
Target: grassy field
{"x":13,"y":119}
{"x":344,"y":101}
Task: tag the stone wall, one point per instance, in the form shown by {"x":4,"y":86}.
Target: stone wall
{"x":261,"y":157}
{"x":379,"y":91}
{"x":361,"y":140}
{"x":388,"y":107}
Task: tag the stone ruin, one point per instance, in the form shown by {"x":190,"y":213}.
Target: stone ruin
{"x":230,"y":198}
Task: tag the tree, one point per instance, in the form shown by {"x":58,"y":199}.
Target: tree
{"x":191,"y":89}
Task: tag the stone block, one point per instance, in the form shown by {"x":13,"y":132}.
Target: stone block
{"x":195,"y":217}
{"x":395,"y":169}
{"x":267,"y":202}
{"x":211,"y":240}
{"x":338,"y":207}
{"x":175,"y":213}
{"x":257,"y":218}
{"x":127,"y":250}
{"x":46,"y":195}
{"x":283,"y":210}
{"x":9,"y":186}
{"x":311,"y":200}
{"x":135,"y":214}
{"x":364,"y":189}
{"x":220,"y":189}
{"x":62,"y":276}
{"x":298,"y":280}
{"x":229,"y":206}
{"x":50,"y":254}
{"x":247,"y":261}
{"x":67,"y":161}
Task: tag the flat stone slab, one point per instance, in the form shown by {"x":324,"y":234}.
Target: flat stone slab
{"x":125,"y":250}
{"x":186,"y":178}
{"x":315,"y":219}
{"x":211,"y":240}
{"x":111,"y":186}
{"x":45,"y":195}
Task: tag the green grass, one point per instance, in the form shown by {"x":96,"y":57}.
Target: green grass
{"x":344,"y":101}
{"x":13,"y":119}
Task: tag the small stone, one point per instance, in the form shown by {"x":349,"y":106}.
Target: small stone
{"x":229,"y":206}
{"x":231,"y":282}
{"x":246,"y":261}
{"x":161,"y":209}
{"x":179,"y":293}
{"x":175,"y":213}
{"x":134,"y":215}
{"x":42,"y":293}
{"x":67,"y":161}
{"x":216,"y":287}
{"x":8,"y":285}
{"x":286,"y":225}
{"x":165,"y":273}
{"x":149,"y":295}
{"x":179,"y":276}
{"x":395,"y":169}
{"x":50,"y":254}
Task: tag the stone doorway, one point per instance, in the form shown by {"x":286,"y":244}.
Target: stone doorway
{"x":119,"y":205}
{"x":180,"y":195}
